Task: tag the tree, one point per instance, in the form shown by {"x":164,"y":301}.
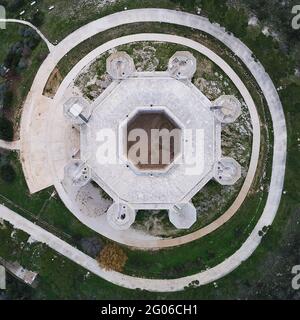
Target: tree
{"x":38,"y":18}
{"x":290,"y":97}
{"x":6,"y":129}
{"x":16,"y":5}
{"x":236,"y":22}
{"x":7,"y":173}
{"x":15,"y":54}
{"x":215,"y":9}
{"x":112,"y":257}
{"x":7,"y":99}
{"x":91,"y":246}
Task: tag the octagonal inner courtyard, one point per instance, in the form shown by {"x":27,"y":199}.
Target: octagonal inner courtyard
{"x":139,"y":172}
{"x":162,"y":139}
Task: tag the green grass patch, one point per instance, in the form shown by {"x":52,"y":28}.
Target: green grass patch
{"x":44,"y":208}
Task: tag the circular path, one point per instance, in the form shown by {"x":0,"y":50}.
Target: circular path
{"x":276,"y":110}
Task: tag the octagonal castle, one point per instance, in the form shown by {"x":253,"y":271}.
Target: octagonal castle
{"x":151,"y":140}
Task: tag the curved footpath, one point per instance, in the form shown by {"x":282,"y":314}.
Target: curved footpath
{"x":279,"y":154}
{"x":48,"y":43}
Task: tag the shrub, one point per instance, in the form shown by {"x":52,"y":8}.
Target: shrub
{"x":112,"y":257}
{"x":7,"y":100}
{"x":13,"y":57}
{"x":38,"y":18}
{"x":6,"y":129}
{"x":7,"y":173}
{"x":16,"y":5}
{"x":91,"y":246}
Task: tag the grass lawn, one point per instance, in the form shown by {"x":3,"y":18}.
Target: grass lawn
{"x":69,"y":15}
{"x":44,"y":208}
{"x":200,"y":254}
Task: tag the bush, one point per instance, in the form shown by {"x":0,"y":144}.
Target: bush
{"x":7,"y":100}
{"x":16,"y":5}
{"x":7,"y":173}
{"x":236,"y":21}
{"x":290,"y":97}
{"x":6,"y":129}
{"x":112,"y":257}
{"x":91,"y":246}
{"x":13,"y":57}
{"x":38,"y":19}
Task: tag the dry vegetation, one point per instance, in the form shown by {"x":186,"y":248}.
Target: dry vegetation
{"x":112,"y":257}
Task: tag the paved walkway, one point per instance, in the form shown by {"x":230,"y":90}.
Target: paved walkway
{"x":48,"y":43}
{"x":34,"y":141}
{"x":10,"y":145}
{"x":279,"y":154}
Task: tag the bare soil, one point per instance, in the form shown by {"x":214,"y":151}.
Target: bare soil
{"x":149,"y":121}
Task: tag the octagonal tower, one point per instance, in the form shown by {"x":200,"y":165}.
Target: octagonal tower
{"x":152,"y":140}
